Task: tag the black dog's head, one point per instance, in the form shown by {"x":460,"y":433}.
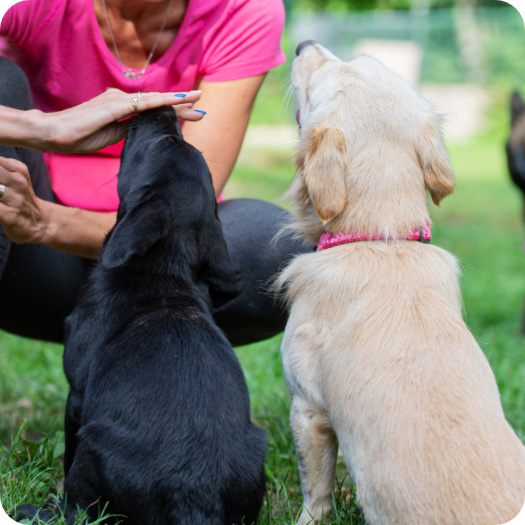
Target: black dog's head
{"x":167,"y":215}
{"x":515,"y":147}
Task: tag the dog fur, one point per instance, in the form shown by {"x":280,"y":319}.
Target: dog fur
{"x":158,"y":416}
{"x":376,"y":355}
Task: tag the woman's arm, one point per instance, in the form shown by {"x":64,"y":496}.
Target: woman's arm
{"x":28,"y":219}
{"x":87,"y":127}
{"x":219,"y":136}
{"x":90,"y":126}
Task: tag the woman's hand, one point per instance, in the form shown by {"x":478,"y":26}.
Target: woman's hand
{"x":29,"y":219}
{"x":21,"y":214}
{"x":90,"y":126}
{"x":98,"y":122}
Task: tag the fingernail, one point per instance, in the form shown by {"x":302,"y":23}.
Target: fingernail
{"x":200,"y":111}
{"x":180,"y":94}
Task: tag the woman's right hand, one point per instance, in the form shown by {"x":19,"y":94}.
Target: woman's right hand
{"x":97,"y":123}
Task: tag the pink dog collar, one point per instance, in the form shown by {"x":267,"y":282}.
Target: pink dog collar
{"x":328,"y":240}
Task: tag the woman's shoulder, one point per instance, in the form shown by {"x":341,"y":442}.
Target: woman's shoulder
{"x":216,"y":12}
{"x":264,"y":8}
{"x":246,"y":41}
{"x":28,"y":20}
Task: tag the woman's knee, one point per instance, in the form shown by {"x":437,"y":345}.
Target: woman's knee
{"x":250,"y":229}
{"x":14,"y":86}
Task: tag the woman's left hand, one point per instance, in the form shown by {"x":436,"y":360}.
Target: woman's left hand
{"x":97,"y":123}
{"x":21,"y":214}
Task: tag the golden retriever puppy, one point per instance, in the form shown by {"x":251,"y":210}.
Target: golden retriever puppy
{"x":377,"y":357}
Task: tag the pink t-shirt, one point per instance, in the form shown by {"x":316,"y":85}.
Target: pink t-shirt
{"x":59,"y":46}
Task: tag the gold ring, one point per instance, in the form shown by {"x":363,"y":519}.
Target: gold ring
{"x":2,"y":190}
{"x":134,"y":102}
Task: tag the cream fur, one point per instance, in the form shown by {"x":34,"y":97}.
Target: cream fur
{"x":376,"y":355}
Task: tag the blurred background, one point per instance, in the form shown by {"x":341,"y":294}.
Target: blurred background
{"x":466,"y":56}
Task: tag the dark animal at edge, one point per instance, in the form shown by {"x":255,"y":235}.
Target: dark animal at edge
{"x":515,"y":150}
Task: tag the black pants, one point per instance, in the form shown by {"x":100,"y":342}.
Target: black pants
{"x":39,"y":285}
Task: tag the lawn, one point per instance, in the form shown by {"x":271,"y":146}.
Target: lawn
{"x":480,"y":223}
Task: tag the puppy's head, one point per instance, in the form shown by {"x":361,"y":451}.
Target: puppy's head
{"x":370,"y":146}
{"x":515,"y":147}
{"x":145,"y":150}
{"x":168,"y":210}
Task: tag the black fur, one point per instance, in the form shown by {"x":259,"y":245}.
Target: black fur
{"x":515,"y":150}
{"x":516,"y":144}
{"x":158,"y":417}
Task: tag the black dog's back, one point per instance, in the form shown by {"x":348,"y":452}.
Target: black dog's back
{"x":158,"y":417}
{"x":197,"y":442}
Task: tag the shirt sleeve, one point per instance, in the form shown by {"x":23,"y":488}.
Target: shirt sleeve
{"x":247,"y":43}
{"x":25,"y":20}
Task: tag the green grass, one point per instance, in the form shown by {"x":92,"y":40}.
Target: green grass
{"x":480,"y":223}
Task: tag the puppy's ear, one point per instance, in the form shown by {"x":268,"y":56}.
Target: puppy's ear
{"x":437,"y":171}
{"x":323,"y":169}
{"x":136,"y":232}
{"x":217,"y":271}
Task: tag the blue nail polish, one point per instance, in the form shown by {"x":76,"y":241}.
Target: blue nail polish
{"x":200,"y":111}
{"x":180,"y":95}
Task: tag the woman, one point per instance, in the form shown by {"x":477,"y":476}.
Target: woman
{"x":71,"y":51}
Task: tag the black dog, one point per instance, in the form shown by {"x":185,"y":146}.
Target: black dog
{"x":158,"y":418}
{"x":515,"y":149}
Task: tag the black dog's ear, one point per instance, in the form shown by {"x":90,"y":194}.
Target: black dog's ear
{"x":136,"y":232}
{"x":217,"y":271}
{"x":517,"y":107}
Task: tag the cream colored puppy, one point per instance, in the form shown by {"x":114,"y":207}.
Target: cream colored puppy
{"x":376,"y":354}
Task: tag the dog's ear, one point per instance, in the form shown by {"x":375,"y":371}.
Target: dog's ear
{"x":322,"y":166}
{"x":437,"y":171}
{"x":136,"y":232}
{"x":517,"y":108}
{"x":217,"y":271}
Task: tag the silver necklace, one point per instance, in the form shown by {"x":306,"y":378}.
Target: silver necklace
{"x":125,"y":70}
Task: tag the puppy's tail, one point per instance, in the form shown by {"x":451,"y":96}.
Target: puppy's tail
{"x":52,"y":511}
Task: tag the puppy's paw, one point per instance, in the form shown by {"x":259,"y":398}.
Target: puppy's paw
{"x":318,"y":514}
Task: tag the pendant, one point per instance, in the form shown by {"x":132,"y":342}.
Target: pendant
{"x":130,"y":74}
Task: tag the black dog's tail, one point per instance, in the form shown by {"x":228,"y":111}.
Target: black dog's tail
{"x":52,"y":511}
{"x":49,"y":514}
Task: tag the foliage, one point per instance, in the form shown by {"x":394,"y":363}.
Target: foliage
{"x":361,"y":5}
{"x":495,"y":53}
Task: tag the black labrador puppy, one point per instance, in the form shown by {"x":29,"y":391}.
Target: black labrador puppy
{"x":158,"y":416}
{"x":515,"y":150}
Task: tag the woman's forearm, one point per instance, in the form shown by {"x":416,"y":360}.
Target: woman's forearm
{"x":90,"y":126}
{"x":75,"y":231}
{"x":219,"y":136}
{"x":26,"y":129}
